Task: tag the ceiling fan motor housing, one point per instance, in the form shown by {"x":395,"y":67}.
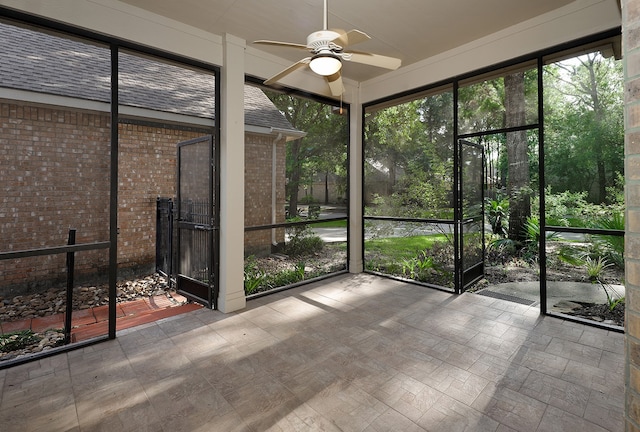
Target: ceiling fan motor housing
{"x":323,"y":40}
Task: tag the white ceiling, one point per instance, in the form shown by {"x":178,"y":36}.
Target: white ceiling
{"x":409,"y":29}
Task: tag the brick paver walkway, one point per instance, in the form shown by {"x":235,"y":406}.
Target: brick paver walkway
{"x":93,"y":322}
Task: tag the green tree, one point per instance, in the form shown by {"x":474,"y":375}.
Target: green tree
{"x":322,"y":150}
{"x":584,"y":135}
{"x":410,"y":144}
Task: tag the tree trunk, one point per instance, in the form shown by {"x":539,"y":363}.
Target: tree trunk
{"x":599,"y":116}
{"x":326,"y":188}
{"x":517,"y":157}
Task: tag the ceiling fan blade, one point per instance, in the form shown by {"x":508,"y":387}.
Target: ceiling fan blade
{"x":287,"y":71}
{"x":281,"y":44}
{"x":373,"y":60}
{"x":351,"y":37}
{"x":335,"y":84}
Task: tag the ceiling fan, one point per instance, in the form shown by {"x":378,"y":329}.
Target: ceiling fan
{"x":327,"y":48}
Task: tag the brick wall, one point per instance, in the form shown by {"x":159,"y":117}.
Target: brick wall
{"x":55,"y":176}
{"x":147,"y":170}
{"x":258,"y":191}
{"x":631,"y":58}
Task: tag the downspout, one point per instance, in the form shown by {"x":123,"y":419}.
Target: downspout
{"x":274,"y":201}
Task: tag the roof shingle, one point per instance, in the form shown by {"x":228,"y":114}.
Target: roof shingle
{"x":45,"y":63}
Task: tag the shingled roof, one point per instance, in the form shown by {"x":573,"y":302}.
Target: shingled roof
{"x":45,"y":63}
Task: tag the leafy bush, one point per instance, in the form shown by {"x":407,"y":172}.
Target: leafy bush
{"x":254,"y":278}
{"x":595,"y":267}
{"x":610,"y":246}
{"x":314,"y":211}
{"x":498,"y":214}
{"x":528,"y":250}
{"x":286,"y":277}
{"x":303,"y":243}
{"x":573,"y":209}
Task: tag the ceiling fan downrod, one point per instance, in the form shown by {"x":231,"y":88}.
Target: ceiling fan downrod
{"x":326,"y":15}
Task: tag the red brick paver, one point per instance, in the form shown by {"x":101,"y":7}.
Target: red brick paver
{"x":47,"y":322}
{"x":94,"y":322}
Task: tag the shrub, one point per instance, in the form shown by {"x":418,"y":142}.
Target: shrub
{"x":498,"y":214}
{"x":595,"y":267}
{"x":610,"y":246}
{"x":254,"y":278}
{"x":303,"y":244}
{"x":307,"y":199}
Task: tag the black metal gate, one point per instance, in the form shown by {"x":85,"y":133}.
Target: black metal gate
{"x":197,"y":224}
{"x":470,"y":213}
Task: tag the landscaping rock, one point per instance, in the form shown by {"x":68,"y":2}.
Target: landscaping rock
{"x":53,"y":301}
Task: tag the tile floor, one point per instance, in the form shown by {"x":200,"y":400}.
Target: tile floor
{"x":353,"y":353}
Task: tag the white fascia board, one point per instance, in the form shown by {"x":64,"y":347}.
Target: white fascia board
{"x":48,"y":99}
{"x":153,"y":115}
{"x":83,"y":104}
{"x":287,"y":133}
{"x":576,"y":20}
{"x":123,"y":21}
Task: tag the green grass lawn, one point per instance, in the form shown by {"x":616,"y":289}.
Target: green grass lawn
{"x":330,"y":224}
{"x":400,"y":248}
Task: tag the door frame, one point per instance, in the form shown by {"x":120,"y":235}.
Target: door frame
{"x":201,"y":291}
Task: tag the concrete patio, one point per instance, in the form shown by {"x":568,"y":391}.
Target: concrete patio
{"x":353,"y":353}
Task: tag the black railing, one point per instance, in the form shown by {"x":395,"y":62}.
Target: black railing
{"x":70,"y":249}
{"x":164,"y":236}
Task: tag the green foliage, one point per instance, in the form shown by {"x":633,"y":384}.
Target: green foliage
{"x":422,"y":258}
{"x":566,"y":208}
{"x":584,"y":133}
{"x":408,"y":149}
{"x":527,"y":249}
{"x":418,"y":267}
{"x":498,"y":214}
{"x":322,"y":150}
{"x":532,"y":241}
{"x":611,"y":246}
{"x":257,"y":279}
{"x":314,"y":211}
{"x":287,"y":276}
{"x":331,"y":224}
{"x":17,"y":340}
{"x":613,"y":298}
{"x":595,"y":267}
{"x":615,"y":193}
{"x":302,"y":241}
{"x":572,"y":255}
{"x":254,"y":277}
{"x":401,"y":248}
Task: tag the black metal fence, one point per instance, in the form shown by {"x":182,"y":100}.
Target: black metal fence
{"x":165,"y":258}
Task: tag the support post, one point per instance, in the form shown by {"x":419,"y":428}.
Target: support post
{"x":69,"y":304}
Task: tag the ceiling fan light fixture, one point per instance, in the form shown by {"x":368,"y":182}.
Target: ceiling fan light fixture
{"x":325,"y":64}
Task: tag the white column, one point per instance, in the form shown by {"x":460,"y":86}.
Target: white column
{"x":355,"y":184}
{"x":231,"y":119}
